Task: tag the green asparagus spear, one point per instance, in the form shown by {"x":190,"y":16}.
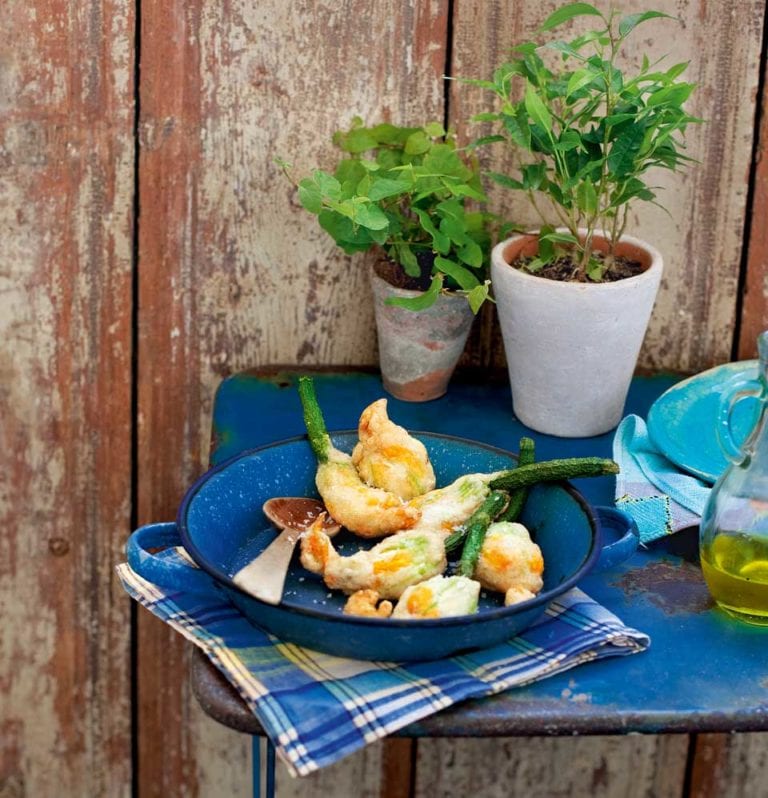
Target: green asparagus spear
{"x":553,"y":471}
{"x":313,"y":420}
{"x":526,"y":456}
{"x":476,"y":526}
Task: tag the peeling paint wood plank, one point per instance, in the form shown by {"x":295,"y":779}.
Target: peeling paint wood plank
{"x":701,"y":239}
{"x":754,"y":313}
{"x":66,"y":175}
{"x":360,"y":775}
{"x":730,"y":766}
{"x":539,"y":767}
{"x":232,"y":272}
{"x":693,"y":323}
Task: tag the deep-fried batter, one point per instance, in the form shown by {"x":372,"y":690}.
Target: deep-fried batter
{"x":439,"y":597}
{"x":366,"y":511}
{"x":510,"y":561}
{"x":389,"y":567}
{"x":388,"y":457}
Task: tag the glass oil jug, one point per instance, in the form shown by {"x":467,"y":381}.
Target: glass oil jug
{"x":734,"y":527}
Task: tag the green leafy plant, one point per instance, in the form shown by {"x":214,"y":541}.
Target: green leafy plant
{"x":585,"y":133}
{"x":407,"y":191}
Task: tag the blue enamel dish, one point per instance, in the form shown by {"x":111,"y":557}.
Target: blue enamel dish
{"x":682,"y":422}
{"x":222,"y":527}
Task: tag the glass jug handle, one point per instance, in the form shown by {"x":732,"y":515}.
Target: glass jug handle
{"x":735,"y":390}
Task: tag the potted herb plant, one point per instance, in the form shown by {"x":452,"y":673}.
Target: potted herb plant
{"x":575,"y":297}
{"x":406,"y":192}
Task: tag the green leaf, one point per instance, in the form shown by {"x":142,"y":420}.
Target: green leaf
{"x":310,"y":196}
{"x":485,"y":140}
{"x":384,"y":187}
{"x":506,"y":181}
{"x":595,"y":270}
{"x":369,"y":166}
{"x":586,"y":197}
{"x":454,"y":229}
{"x":485,"y":116}
{"x":517,"y":126}
{"x":329,"y":186}
{"x":546,"y":245}
{"x":534,"y":175}
{"x":370,"y":216}
{"x":350,"y":237}
{"x":617,"y":119}
{"x":569,"y":140}
{"x":407,"y":260}
{"x":464,"y":190}
{"x":385,"y":133}
{"x":423,"y":301}
{"x":569,"y":12}
{"x":417,"y":143}
{"x":358,"y":140}
{"x":442,"y":159}
{"x":676,"y":70}
{"x":631,"y":21}
{"x":559,"y":238}
{"x":536,"y":108}
{"x":525,"y":49}
{"x":462,"y":276}
{"x":471,"y":254}
{"x":565,"y":48}
{"x":591,"y":36}
{"x":434,"y":130}
{"x":477,"y":296}
{"x":380,"y":237}
{"x":624,"y":150}
{"x":440,"y":241}
{"x":578,"y":80}
{"x":535,"y":265}
{"x":451,"y":209}
{"x":350,"y":170}
{"x":675,"y":94}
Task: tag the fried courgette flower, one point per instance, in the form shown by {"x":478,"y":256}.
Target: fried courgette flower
{"x":367,"y":511}
{"x":439,"y":597}
{"x":391,"y":566}
{"x":510,"y":562}
{"x":388,"y":457}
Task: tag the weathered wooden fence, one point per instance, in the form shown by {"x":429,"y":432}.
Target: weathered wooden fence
{"x":149,"y":246}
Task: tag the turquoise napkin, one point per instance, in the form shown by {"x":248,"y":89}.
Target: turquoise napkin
{"x":660,"y":498}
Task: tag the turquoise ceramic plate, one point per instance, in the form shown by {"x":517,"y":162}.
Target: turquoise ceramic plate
{"x":682,"y":421}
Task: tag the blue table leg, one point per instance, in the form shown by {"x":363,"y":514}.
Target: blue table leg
{"x":270,"y":769}
{"x":256,"y":768}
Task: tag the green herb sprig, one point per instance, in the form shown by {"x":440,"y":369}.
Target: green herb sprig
{"x":408,"y":191}
{"x":586,"y":134}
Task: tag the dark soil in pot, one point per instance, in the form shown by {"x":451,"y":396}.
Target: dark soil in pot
{"x":395,"y":275}
{"x":566,"y":270}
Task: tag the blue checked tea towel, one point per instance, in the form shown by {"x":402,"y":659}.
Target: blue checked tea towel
{"x":317,"y":708}
{"x":650,"y":488}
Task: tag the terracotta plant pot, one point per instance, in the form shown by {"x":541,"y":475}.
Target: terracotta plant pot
{"x":418,"y":350}
{"x":572,"y":348}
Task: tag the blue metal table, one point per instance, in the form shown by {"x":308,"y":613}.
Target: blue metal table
{"x":703,"y":672}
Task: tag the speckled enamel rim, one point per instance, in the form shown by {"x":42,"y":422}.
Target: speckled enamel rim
{"x":390,"y":623}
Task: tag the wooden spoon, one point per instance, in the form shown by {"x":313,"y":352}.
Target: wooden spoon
{"x":264,"y":577}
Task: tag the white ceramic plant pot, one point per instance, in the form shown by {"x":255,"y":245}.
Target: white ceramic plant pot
{"x":572,"y":348}
{"x":418,"y":350}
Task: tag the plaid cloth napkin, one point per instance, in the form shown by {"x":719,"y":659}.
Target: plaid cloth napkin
{"x":650,"y":488}
{"x":317,"y":708}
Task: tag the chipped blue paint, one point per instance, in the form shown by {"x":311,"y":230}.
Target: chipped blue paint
{"x":703,"y":672}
